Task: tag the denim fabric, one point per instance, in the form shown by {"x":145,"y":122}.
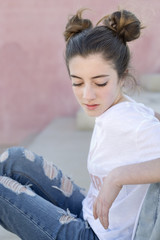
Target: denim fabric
{"x":37,"y":201}
{"x":148,"y":227}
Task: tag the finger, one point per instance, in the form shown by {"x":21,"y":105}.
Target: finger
{"x":103,"y":217}
{"x":104,"y":221}
{"x":95,"y":210}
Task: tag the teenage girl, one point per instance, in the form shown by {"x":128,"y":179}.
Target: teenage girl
{"x":38,"y":202}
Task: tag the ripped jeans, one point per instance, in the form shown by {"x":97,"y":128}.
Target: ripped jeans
{"x":38,"y":202}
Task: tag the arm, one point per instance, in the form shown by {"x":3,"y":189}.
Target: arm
{"x":140,"y":173}
{"x":157,"y":115}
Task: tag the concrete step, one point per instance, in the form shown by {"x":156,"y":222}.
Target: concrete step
{"x":151,"y":82}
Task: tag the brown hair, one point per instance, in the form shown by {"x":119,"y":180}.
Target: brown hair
{"x":110,"y":38}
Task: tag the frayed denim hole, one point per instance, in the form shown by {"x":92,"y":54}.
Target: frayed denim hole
{"x":4,"y":156}
{"x":15,"y":186}
{"x":66,"y":186}
{"x":67,"y":217}
{"x":50,"y":170}
{"x":29,"y":155}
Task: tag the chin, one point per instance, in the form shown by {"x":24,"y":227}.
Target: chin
{"x":92,"y":113}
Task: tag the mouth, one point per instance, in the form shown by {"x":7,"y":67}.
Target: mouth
{"x":91,"y":106}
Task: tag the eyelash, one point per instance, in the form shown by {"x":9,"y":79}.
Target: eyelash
{"x":79,"y":84}
{"x":76,"y":84}
{"x":102,"y":85}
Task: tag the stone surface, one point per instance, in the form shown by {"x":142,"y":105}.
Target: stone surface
{"x":151,"y":82}
{"x":83,"y":121}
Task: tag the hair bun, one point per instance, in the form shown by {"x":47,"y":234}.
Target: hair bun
{"x":76,"y":25}
{"x":124,"y":23}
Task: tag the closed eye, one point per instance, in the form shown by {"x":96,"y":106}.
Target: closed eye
{"x":102,"y":84}
{"x":76,"y":84}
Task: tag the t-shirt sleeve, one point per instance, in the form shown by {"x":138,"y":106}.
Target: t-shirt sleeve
{"x":148,"y":140}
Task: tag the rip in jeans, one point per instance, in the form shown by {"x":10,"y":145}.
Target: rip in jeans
{"x":15,"y":186}
{"x":50,"y":170}
{"x":29,"y":155}
{"x":66,"y":186}
{"x":4,"y":156}
{"x":67,"y":218}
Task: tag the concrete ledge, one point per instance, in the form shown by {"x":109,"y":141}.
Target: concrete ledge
{"x":150,"y":82}
{"x":84,"y":122}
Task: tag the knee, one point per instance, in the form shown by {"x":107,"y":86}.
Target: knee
{"x":10,"y":152}
{"x":17,"y":153}
{"x":4,"y":156}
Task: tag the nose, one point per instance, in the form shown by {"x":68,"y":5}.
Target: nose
{"x":88,"y":92}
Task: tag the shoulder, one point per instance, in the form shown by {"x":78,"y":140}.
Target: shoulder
{"x":148,"y":139}
{"x":125,"y":116}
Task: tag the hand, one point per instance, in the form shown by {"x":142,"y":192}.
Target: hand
{"x":106,"y":197}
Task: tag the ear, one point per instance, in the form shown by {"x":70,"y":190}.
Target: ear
{"x":122,"y":82}
{"x":126,"y":72}
{"x":123,"y":78}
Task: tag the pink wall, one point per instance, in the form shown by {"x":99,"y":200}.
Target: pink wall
{"x":34,"y":85}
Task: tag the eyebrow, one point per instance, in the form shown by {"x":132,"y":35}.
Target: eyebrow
{"x":98,"y":76}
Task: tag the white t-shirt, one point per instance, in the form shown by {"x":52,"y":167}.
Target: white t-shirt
{"x":126,"y":133}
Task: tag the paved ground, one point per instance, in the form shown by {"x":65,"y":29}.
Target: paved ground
{"x":65,"y":145}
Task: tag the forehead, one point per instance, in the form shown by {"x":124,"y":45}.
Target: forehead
{"x":91,"y":64}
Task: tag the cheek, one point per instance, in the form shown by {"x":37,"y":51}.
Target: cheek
{"x":106,"y":93}
{"x":77,"y":92}
{"x":112,"y":90}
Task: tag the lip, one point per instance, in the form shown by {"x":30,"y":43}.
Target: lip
{"x":91,"y":106}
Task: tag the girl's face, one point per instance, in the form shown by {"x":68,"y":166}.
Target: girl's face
{"x":95,"y":83}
